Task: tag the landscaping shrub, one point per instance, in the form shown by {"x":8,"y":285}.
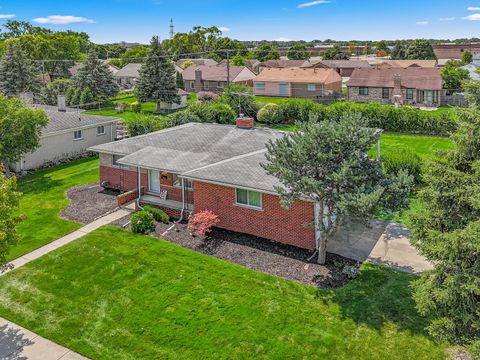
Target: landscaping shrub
{"x":205,"y":96}
{"x":268,"y":114}
{"x":144,"y":124}
{"x":292,"y":110}
{"x":136,"y":107}
{"x":201,"y":223}
{"x":182,"y":117}
{"x":141,"y":222}
{"x":215,"y":112}
{"x":240,"y":98}
{"x":394,"y":162}
{"x":158,"y":214}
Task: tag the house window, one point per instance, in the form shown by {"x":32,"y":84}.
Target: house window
{"x":77,"y":135}
{"x":220,"y":84}
{"x":311,"y":87}
{"x":115,"y":159}
{"x":192,"y":85}
{"x":363,"y":90}
{"x":260,"y":86}
{"x":177,"y":182}
{"x":249,"y":198}
{"x":385,"y":93}
{"x":101,"y":130}
{"x":206,"y":85}
{"x":409,"y":94}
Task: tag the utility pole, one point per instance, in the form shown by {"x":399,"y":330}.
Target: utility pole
{"x":172,"y":29}
{"x":228,"y":68}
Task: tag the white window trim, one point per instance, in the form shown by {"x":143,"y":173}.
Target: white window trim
{"x":185,"y":182}
{"x":206,"y":85}
{"x":220,"y":84}
{"x":314,"y":87}
{"x":262,"y":88}
{"x":113,"y":161}
{"x":81,"y":135}
{"x":104,"y":130}
{"x":192,"y":85}
{"x":249,"y":206}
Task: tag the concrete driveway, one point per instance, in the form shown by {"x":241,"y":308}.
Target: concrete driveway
{"x":383,"y":243}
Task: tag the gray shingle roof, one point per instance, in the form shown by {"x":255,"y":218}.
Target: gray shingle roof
{"x":62,"y":121}
{"x":217,"y":153}
{"x":130,"y":71}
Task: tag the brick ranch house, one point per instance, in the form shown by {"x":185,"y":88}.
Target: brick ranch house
{"x":214,"y":77}
{"x":298,"y":82}
{"x":413,"y":86}
{"x":195,"y":167}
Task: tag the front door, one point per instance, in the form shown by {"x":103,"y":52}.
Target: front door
{"x":154,"y":181}
{"x":283,"y":89}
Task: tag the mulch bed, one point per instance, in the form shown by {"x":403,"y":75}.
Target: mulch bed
{"x":258,"y":254}
{"x":89,"y":202}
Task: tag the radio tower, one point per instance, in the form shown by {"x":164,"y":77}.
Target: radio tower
{"x":172,"y":29}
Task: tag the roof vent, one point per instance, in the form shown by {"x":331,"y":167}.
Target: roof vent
{"x":245,"y":122}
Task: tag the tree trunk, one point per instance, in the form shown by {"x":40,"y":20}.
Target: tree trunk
{"x":322,"y":251}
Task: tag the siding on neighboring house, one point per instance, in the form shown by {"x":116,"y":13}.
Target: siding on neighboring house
{"x":375,"y":94}
{"x":61,"y":146}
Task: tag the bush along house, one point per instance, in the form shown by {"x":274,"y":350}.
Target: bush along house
{"x":413,"y":86}
{"x":196,"y":167}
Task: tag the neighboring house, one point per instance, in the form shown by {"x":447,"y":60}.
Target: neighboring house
{"x":454,"y":51}
{"x":403,"y":86}
{"x":406,"y":63}
{"x":297,"y":82}
{"x":128,"y":76}
{"x":68,"y":135}
{"x":195,"y":167}
{"x":206,"y":62}
{"x":252,"y":64}
{"x":343,"y":67}
{"x":472,"y":71}
{"x":283,"y":64}
{"x":74,"y":69}
{"x":214,"y":78}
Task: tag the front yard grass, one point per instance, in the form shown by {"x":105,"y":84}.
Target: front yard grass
{"x":117,"y":295}
{"x":44,"y":197}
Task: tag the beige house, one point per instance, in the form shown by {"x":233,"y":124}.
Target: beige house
{"x":298,"y":82}
{"x":68,"y":135}
{"x":214,"y":78}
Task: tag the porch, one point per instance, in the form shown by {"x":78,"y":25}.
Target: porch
{"x":155,"y":200}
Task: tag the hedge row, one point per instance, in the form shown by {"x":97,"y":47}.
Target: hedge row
{"x":386,"y":117}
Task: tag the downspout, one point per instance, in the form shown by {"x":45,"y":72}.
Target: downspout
{"x":139,"y":182}
{"x":183,"y":202}
{"x":318,"y":233}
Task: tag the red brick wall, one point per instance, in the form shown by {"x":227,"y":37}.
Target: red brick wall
{"x":272,"y":222}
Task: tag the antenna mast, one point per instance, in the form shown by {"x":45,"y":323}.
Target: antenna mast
{"x":172,"y":29}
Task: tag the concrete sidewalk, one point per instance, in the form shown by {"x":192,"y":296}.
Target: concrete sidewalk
{"x":105,"y":220}
{"x":17,"y":343}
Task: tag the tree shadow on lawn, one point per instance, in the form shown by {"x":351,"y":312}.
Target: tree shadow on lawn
{"x":379,"y":295}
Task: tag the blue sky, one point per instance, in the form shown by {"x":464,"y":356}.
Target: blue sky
{"x":138,"y":20}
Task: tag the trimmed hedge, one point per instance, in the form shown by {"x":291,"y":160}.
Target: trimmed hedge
{"x":158,"y":214}
{"x":386,"y":117}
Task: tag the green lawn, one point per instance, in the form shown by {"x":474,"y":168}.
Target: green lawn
{"x":44,"y":197}
{"x":117,"y":295}
{"x":269,"y":99}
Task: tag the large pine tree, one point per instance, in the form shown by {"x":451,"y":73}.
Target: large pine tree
{"x":96,"y":77}
{"x":157,"y":77}
{"x":18,"y":74}
{"x":447,"y":231}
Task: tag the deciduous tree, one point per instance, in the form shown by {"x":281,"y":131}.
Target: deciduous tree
{"x":266,"y":52}
{"x":420,"y":50}
{"x":327,"y":162}
{"x":298,"y":52}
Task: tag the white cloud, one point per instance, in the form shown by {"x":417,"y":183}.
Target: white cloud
{"x":448,"y":19}
{"x":224,"y":29}
{"x":62,"y":19}
{"x":7,"y":16}
{"x":282,"y":39}
{"x":422,"y":23}
{"x":473,"y":8}
{"x":473,"y":17}
{"x":312,"y":3}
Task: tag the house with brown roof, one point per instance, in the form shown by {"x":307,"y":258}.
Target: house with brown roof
{"x":209,"y":62}
{"x":385,"y":63}
{"x":403,"y":86}
{"x":343,"y":67}
{"x":283,"y":64}
{"x":298,"y":82}
{"x":214,"y":78}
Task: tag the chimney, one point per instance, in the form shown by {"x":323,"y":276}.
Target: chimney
{"x":397,"y":81}
{"x":198,"y":75}
{"x":245,"y":122}
{"x":61,"y":103}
